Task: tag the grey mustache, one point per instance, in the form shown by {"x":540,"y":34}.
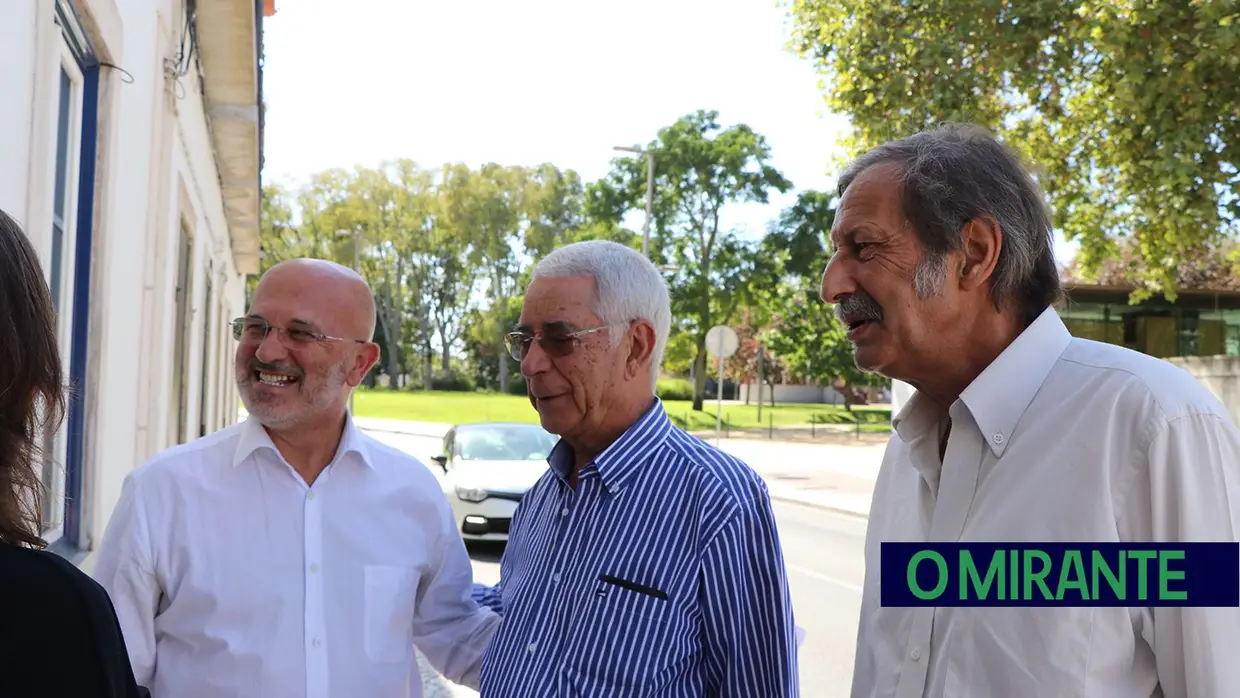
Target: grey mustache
{"x":858,"y":306}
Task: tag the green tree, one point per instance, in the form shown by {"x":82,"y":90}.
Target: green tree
{"x":1131,"y":110}
{"x":489,"y":206}
{"x":803,"y":330}
{"x":552,"y":206}
{"x":812,"y":343}
{"x":700,"y":168}
{"x":385,"y":212}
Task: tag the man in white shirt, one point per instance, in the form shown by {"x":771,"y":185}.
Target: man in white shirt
{"x":292,"y":556}
{"x":943,"y":271}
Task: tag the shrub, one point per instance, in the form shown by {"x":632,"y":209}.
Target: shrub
{"x":674,"y":389}
{"x":516,"y":385}
{"x":451,"y":380}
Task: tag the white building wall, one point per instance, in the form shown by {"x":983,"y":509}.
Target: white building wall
{"x":155,"y":168}
{"x":18,"y":26}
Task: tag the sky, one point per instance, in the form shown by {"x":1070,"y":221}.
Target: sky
{"x":523,"y":82}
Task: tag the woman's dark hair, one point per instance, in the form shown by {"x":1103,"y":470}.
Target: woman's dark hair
{"x":32,"y":399}
{"x":956,"y":172}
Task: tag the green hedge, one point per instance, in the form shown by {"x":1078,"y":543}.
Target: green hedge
{"x":451,"y":380}
{"x":674,"y":389}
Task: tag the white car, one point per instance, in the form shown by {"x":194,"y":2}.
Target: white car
{"x":487,"y":468}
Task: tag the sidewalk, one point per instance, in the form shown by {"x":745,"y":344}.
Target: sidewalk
{"x":836,"y":475}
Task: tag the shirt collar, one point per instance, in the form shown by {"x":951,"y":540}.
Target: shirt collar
{"x":625,"y":455}
{"x":255,"y":438}
{"x":999,"y":396}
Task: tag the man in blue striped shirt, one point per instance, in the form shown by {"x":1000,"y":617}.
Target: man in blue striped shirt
{"x":644,"y":562}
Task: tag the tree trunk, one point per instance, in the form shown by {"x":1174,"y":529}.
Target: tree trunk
{"x":428,"y":372}
{"x":446,"y":359}
{"x":391,"y":329}
{"x":393,"y":363}
{"x":394,"y":337}
{"x":699,"y":375}
{"x":761,"y":378}
{"x":503,"y":370}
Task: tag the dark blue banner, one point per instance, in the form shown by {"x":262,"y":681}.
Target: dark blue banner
{"x":1060,"y":574}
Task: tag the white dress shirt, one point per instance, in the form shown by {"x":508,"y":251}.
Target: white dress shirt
{"x":1060,"y":439}
{"x":231,"y":577}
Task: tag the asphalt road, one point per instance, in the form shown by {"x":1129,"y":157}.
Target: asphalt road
{"x":824,"y":555}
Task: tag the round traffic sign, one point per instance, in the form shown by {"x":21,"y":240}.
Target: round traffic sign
{"x":721,"y":340}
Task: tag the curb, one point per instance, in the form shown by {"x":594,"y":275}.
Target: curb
{"x":403,"y":432}
{"x":833,"y":440}
{"x":786,"y":499}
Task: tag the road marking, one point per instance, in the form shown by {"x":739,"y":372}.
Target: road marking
{"x":820,"y":576}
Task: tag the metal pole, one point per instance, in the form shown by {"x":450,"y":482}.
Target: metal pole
{"x":649,"y":203}
{"x":719,"y":399}
{"x":357,"y":242}
{"x":761,"y":382}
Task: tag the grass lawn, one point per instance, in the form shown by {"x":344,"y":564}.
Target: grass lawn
{"x":463,"y":408}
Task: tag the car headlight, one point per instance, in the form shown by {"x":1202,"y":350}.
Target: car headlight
{"x":471,"y":494}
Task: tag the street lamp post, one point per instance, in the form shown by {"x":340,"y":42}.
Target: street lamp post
{"x":649,"y":195}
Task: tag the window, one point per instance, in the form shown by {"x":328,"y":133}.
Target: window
{"x":61,"y":266}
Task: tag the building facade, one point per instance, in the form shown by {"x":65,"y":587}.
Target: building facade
{"x":1199,"y":323}
{"x":1199,"y":331}
{"x":130,"y":152}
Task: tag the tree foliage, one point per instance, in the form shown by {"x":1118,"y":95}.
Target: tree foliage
{"x":700,"y":168}
{"x":1130,"y":109}
{"x":802,"y":330}
{"x":448,"y":252}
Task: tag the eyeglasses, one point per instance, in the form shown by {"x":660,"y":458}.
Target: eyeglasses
{"x":253,"y":331}
{"x":556,"y":344}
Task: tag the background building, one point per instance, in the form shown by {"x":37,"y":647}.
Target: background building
{"x":1199,"y":331}
{"x":130,"y":151}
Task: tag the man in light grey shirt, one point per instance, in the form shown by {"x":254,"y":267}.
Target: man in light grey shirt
{"x":944,"y":272}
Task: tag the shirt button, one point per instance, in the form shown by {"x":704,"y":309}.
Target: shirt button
{"x":310,"y":495}
{"x":314,"y":567}
{"x":915,"y":654}
{"x":614,"y":489}
{"x":533,"y":646}
{"x":564,"y":511}
{"x":998,"y":438}
{"x":316,"y":642}
{"x":555,"y":577}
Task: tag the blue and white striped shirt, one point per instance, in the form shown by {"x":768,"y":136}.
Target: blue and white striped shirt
{"x":659,"y":576}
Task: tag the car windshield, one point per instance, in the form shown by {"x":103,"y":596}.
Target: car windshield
{"x":504,"y":443}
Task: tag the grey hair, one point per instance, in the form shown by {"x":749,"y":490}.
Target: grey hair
{"x":955,"y":173}
{"x":627,"y":287}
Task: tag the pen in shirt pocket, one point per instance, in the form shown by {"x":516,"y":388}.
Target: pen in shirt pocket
{"x":631,"y":586}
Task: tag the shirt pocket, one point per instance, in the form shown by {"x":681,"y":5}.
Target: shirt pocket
{"x":1040,"y":652}
{"x":388,"y":612}
{"x":623,"y":641}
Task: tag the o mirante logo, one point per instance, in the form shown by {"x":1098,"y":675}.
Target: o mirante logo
{"x":1060,"y":574}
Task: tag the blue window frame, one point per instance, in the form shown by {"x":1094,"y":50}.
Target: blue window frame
{"x":77,"y":242}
